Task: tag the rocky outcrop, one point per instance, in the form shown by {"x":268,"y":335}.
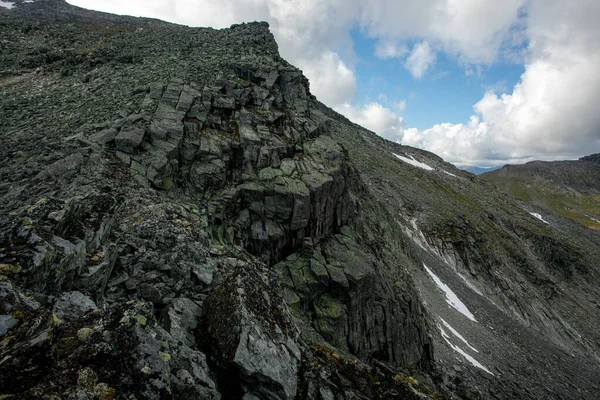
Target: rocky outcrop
{"x":115,"y":352}
{"x":252,"y":334}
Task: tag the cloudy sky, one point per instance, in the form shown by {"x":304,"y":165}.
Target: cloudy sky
{"x":478,"y":82}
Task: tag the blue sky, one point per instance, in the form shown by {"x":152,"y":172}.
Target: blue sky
{"x":478,"y":82}
{"x":445,"y":94}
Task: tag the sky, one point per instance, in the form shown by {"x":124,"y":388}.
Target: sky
{"x":478,"y":82}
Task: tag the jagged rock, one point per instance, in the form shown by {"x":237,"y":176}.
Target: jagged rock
{"x":249,"y":325}
{"x":72,"y":306}
{"x":129,"y":139}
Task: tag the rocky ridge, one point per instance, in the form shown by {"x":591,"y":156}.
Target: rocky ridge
{"x":569,"y":188}
{"x":181,"y":218}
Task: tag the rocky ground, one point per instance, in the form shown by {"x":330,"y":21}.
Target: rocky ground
{"x":181,"y":218}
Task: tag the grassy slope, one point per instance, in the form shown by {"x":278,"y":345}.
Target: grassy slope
{"x":567,"y":188}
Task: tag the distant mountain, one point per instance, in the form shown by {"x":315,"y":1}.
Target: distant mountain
{"x":480,"y":170}
{"x":570,"y":188}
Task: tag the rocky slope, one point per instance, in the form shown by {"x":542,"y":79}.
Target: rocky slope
{"x":181,"y":218}
{"x":569,"y":188}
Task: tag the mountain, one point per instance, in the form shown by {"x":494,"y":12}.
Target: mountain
{"x":569,"y":188}
{"x":480,"y":170}
{"x":181,"y":219}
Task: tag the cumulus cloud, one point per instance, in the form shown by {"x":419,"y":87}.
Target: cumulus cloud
{"x":330,"y":79}
{"x":551,"y":113}
{"x":387,"y":49}
{"x":375,"y":117}
{"x":420,"y":60}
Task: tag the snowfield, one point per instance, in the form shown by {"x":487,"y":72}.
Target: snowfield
{"x":451,"y":298}
{"x":414,"y":162}
{"x":539,"y":216}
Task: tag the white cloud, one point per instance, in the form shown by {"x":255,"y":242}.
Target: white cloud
{"x":401,"y":105}
{"x":375,"y":117}
{"x":387,"y":49}
{"x":420,"y":60}
{"x":551,"y":113}
{"x":330,"y":79}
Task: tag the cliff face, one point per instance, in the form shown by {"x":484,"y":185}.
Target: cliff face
{"x":181,"y":218}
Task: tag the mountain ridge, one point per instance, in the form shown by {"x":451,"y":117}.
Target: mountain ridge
{"x":570,"y":188}
{"x":181,"y":218}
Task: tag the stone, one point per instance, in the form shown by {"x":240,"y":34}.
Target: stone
{"x":225,"y":102}
{"x":67,"y":165}
{"x":104,"y":137}
{"x":129,"y":139}
{"x":249,"y":325}
{"x":72,"y":306}
{"x":7,"y":323}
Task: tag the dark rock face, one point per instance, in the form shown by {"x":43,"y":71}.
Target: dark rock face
{"x":252,"y":333}
{"x":189,"y":222}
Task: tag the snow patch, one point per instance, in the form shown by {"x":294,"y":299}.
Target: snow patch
{"x":458,"y":335}
{"x":539,"y":216}
{"x":451,"y":298}
{"x":414,"y":162}
{"x":469,"y":358}
{"x":592,"y":218}
{"x":448,"y":173}
{"x":6,"y":4}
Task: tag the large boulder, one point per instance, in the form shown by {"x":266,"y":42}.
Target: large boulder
{"x":72,"y":306}
{"x":251,"y":333}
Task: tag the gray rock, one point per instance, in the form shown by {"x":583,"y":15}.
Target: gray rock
{"x":225,"y":102}
{"x":129,"y":139}
{"x":71,"y":306}
{"x":249,"y":324}
{"x":7,"y":323}
{"x":104,"y":137}
{"x":67,"y":165}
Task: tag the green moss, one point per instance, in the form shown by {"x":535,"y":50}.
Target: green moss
{"x":141,"y":319}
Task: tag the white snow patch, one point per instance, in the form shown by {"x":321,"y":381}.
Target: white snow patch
{"x":451,"y":298}
{"x":6,"y":4}
{"x":592,"y":218}
{"x":539,"y":216}
{"x":458,"y":335}
{"x":448,"y":173}
{"x":469,"y":358}
{"x":414,"y":162}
